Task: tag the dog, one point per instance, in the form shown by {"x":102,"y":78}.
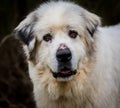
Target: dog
{"x":73,"y":61}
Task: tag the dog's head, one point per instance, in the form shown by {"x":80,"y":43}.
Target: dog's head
{"x":57,"y":37}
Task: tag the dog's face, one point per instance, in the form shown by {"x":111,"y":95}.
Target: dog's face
{"x":57,"y":38}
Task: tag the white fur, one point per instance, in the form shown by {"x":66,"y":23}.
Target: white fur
{"x":96,"y":84}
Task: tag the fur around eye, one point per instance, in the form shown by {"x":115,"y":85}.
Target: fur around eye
{"x":47,"y":37}
{"x":72,"y":33}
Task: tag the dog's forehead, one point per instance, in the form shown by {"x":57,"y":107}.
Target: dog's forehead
{"x":59,"y":16}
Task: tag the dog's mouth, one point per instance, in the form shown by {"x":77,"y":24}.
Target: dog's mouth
{"x":64,"y":73}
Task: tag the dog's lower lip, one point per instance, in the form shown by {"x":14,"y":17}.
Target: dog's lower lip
{"x":64,"y":74}
{"x":65,"y":71}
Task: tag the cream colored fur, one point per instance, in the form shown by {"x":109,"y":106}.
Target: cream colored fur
{"x":97,"y":58}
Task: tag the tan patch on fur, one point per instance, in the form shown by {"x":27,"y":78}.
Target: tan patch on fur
{"x":57,"y":28}
{"x":89,"y":45}
{"x":33,"y":53}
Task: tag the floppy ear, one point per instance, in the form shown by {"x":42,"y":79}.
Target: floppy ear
{"x":92,"y":22}
{"x":24,"y":31}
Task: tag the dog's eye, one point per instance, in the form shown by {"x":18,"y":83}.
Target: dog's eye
{"x":72,"y":33}
{"x":47,"y":37}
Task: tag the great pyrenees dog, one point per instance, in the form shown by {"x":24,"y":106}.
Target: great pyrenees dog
{"x":73,"y":61}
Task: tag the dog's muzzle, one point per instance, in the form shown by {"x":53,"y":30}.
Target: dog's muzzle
{"x":64,"y":56}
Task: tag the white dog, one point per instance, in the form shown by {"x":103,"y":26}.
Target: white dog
{"x":73,"y":62}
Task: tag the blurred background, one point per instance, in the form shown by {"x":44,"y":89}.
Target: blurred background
{"x":15,"y":84}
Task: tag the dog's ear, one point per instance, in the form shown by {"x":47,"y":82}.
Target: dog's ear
{"x":92,"y":22}
{"x":24,"y":31}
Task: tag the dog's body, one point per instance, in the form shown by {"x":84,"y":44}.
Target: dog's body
{"x":73,"y":62}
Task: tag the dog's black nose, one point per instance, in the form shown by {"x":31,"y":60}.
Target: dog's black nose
{"x":63,"y":54}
